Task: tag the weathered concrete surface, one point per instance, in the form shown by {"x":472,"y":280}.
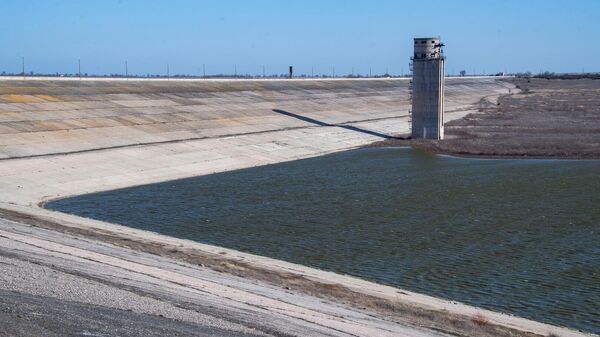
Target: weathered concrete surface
{"x":61,"y":138}
{"x":53,"y":267}
{"x":44,"y":117}
{"x":189,"y":128}
{"x":428,"y":89}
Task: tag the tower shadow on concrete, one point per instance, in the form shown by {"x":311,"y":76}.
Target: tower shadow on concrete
{"x":339,"y":125}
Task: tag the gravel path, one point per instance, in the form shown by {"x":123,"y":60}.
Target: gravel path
{"x":23,"y":314}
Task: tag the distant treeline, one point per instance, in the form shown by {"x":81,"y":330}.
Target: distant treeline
{"x":224,"y":76}
{"x":561,"y":76}
{"x":547,"y":75}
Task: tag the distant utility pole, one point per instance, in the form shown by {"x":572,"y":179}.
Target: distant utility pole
{"x":79,"y":68}
{"x":387,"y":72}
{"x":235,"y":70}
{"x":333,"y":71}
{"x":168,"y":72}
{"x":312,"y":72}
{"x":203,"y":70}
{"x":263,"y":71}
{"x":23,"y":65}
{"x":370,"y":72}
{"x":126,"y":71}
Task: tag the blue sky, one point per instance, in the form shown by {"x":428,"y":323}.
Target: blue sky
{"x":484,"y":35}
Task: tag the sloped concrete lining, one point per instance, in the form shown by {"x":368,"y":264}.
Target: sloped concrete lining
{"x":60,"y":138}
{"x":50,"y":117}
{"x":95,"y":140}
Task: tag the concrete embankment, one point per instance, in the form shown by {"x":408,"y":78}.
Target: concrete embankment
{"x":63,"y":138}
{"x":125,"y":133}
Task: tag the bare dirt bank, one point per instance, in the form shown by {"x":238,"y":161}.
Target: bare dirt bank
{"x":544,"y":119}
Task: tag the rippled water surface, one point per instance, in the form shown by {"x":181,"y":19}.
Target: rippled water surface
{"x":519,"y":236}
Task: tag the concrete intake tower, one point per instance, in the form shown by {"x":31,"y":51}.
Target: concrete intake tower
{"x":428,"y":89}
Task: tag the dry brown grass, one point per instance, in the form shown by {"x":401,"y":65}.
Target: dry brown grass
{"x":547,"y":119}
{"x":480,"y":319}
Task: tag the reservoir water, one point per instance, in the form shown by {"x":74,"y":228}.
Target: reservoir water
{"x":517,"y":236}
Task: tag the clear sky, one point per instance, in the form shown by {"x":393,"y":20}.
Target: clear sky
{"x":482,"y":35}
